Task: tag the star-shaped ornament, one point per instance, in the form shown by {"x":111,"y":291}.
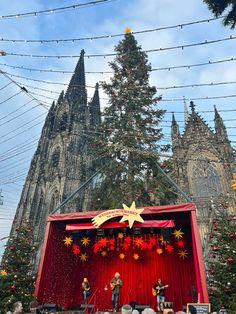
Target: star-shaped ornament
{"x":132,"y":214}
{"x":83,"y":257}
{"x":183,"y":254}
{"x":159,"y":250}
{"x":3,"y":273}
{"x":85,"y":241}
{"x":178,"y":234}
{"x":120,"y":235}
{"x":122,"y":255}
{"x":68,"y":241}
{"x":136,"y":256}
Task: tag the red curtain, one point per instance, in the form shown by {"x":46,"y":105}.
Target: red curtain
{"x":63,"y":273}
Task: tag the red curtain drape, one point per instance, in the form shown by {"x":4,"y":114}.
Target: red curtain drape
{"x":63,"y":273}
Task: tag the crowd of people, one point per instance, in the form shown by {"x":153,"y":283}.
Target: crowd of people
{"x":34,"y":308}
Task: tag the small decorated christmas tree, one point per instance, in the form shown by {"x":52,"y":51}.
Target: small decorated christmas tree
{"x":222,"y":264}
{"x":16,"y":274}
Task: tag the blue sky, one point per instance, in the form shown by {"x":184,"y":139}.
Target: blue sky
{"x":21,"y":129}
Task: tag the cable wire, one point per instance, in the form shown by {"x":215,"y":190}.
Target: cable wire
{"x":54,"y":10}
{"x":187,"y":66}
{"x":205,"y":42}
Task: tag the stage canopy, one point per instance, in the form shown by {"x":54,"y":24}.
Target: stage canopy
{"x":165,"y":245}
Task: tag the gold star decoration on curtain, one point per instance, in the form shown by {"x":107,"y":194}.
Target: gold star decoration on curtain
{"x":83,"y":257}
{"x":85,"y":241}
{"x":183,"y":254}
{"x":178,"y":234}
{"x":68,"y":241}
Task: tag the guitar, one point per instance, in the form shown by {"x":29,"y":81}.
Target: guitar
{"x":113,"y":285}
{"x":156,"y":290}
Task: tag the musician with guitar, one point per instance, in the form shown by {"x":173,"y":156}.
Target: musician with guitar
{"x":158,"y":290}
{"x":116,"y":284}
{"x":86,"y":289}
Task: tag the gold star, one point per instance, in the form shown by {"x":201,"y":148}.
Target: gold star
{"x":159,"y":250}
{"x":68,"y":241}
{"x":138,"y":241}
{"x":178,"y":234}
{"x":104,"y":253}
{"x":136,"y":256}
{"x":183,"y":254}
{"x":85,"y":241}
{"x":128,"y":30}
{"x":132,"y":214}
{"x":122,"y":255}
{"x":3,"y":273}
{"x":120,"y":235}
{"x":83,"y":257}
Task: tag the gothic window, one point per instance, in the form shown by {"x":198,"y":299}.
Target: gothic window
{"x":64,"y":120}
{"x":206,"y":179}
{"x":54,"y":201}
{"x":55,"y":157}
{"x":39,"y":209}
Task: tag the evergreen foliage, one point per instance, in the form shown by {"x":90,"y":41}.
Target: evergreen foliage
{"x":219,"y":7}
{"x":129,"y":137}
{"x":16,"y":278}
{"x":222,"y":265}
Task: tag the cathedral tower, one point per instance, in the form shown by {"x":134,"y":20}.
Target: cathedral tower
{"x":61,"y":163}
{"x":203,"y":162}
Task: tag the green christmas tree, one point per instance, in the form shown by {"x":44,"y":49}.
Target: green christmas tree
{"x":222,"y":264}
{"x":16,"y":276}
{"x":130,"y":135}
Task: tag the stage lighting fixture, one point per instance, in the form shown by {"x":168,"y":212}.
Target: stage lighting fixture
{"x":100,"y":232}
{"x":124,"y":230}
{"x":152,"y":230}
{"x":137,"y":231}
{"x":50,"y":307}
{"x":111,"y":231}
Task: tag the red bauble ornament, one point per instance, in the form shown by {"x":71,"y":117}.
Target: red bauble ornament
{"x":13,"y":287}
{"x":215,"y":248}
{"x":230,"y":260}
{"x":12,"y":248}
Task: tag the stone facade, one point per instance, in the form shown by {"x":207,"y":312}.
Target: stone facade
{"x":203,"y":163}
{"x":61,"y":162}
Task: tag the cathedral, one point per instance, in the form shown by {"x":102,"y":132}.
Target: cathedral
{"x":61,"y":164}
{"x":203,"y":164}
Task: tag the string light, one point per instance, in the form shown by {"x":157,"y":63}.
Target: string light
{"x":206,"y":42}
{"x":91,"y":38}
{"x":188,"y":66}
{"x":54,"y":10}
{"x":196,"y":85}
{"x":158,"y":88}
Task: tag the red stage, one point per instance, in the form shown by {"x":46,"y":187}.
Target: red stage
{"x":61,"y":270}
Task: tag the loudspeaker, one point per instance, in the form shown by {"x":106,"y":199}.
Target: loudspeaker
{"x":50,"y":307}
{"x":141,"y":307}
{"x":75,"y":307}
{"x":88,"y":306}
{"x":168,"y":305}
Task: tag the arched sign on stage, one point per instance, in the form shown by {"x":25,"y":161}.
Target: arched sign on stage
{"x":130,"y":214}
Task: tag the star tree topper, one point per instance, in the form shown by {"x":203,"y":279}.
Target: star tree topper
{"x":132,"y":214}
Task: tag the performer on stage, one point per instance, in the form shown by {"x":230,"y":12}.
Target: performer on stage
{"x":86,"y":289}
{"x":116,"y":284}
{"x":158,"y":290}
